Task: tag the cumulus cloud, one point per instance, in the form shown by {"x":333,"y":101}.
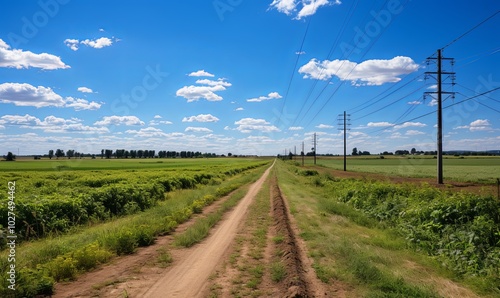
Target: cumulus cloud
{"x":416,"y":102}
{"x":379,"y":124}
{"x":410,"y":124}
{"x":98,"y":43}
{"x":370,"y":72}
{"x":477,"y":125}
{"x":197,"y":129}
{"x":81,"y":104}
{"x":52,"y":124}
{"x":157,"y":117}
{"x":201,"y":118}
{"x":147,"y":132}
{"x":247,"y":125}
{"x":206,"y":89}
{"x":305,"y":7}
{"x":200,"y":73}
{"x":119,"y":120}
{"x":27,"y":95}
{"x":295,"y":128}
{"x":272,"y":95}
{"x":85,"y":90}
{"x":239,"y":109}
{"x":324,"y":126}
{"x":414,"y":132}
{"x":25,"y":59}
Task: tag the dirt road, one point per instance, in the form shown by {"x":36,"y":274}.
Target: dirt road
{"x":187,"y":277}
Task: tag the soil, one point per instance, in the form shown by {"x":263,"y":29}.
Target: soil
{"x":476,"y":188}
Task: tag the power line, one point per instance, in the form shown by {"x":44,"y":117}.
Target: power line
{"x":294,"y":68}
{"x":470,"y":30}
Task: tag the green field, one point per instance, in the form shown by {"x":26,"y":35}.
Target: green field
{"x":64,"y":164}
{"x":69,"y":216}
{"x":469,"y":169}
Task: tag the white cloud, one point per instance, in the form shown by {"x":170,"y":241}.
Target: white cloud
{"x":324,"y":126}
{"x":414,"y":133}
{"x":379,"y":124}
{"x":28,"y":95}
{"x":480,"y":125}
{"x":284,"y":6}
{"x":157,"y":117}
{"x":25,"y":59}
{"x":158,"y":122}
{"x":52,"y":124}
{"x":433,"y":102}
{"x":300,"y":53}
{"x":410,"y":124}
{"x":309,"y":7}
{"x":72,"y":43}
{"x":370,"y":72}
{"x":85,"y":90}
{"x":432,"y":87}
{"x":101,"y":30}
{"x":247,"y":125}
{"x":416,"y":102}
{"x":219,"y":82}
{"x":295,"y":128}
{"x":197,"y":129}
{"x":147,"y":132}
{"x":239,"y":109}
{"x":272,"y":95}
{"x":201,"y":118}
{"x":119,"y":120}
{"x":81,"y":104}
{"x":194,"y":93}
{"x":200,"y":73}
{"x":93,"y":43}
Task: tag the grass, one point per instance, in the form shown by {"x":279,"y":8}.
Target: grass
{"x":350,"y":249}
{"x":469,"y":169}
{"x":278,"y":272}
{"x":201,"y":228}
{"x":87,"y":164}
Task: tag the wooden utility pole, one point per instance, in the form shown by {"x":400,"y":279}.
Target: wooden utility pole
{"x":439,"y":100}
{"x":303,"y":153}
{"x":343,"y":123}
{"x":314,"y":148}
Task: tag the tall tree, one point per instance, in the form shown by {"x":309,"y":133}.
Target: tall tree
{"x":10,"y":157}
{"x":59,"y":153}
{"x":51,"y":154}
{"x":354,"y":151}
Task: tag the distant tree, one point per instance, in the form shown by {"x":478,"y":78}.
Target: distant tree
{"x":51,"y":154}
{"x":229,"y":154}
{"x":354,"y":151}
{"x":120,"y":153}
{"x":59,"y":153}
{"x":10,"y":157}
{"x":413,"y":151}
{"x":290,"y":155}
{"x":108,"y":153}
{"x":70,"y":153}
{"x":151,"y":153}
{"x":102,"y":153}
{"x":140,"y":153}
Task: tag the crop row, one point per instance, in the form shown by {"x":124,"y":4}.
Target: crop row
{"x":93,"y":197}
{"x":461,"y":229}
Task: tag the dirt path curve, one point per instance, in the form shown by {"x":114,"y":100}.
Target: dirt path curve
{"x":187,"y":277}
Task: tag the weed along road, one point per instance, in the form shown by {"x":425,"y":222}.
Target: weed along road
{"x":187,"y":277}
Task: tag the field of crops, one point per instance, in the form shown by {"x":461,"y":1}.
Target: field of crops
{"x":459,"y":230}
{"x":469,"y":169}
{"x":128,"y":202}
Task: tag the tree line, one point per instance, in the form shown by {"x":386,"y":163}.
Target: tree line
{"x":122,"y":153}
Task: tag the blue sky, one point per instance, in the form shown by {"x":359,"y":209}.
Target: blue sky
{"x":247,"y":77}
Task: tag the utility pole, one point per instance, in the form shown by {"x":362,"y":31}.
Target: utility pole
{"x":303,"y":153}
{"x":345,"y":120}
{"x":440,"y":93}
{"x":314,"y":148}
